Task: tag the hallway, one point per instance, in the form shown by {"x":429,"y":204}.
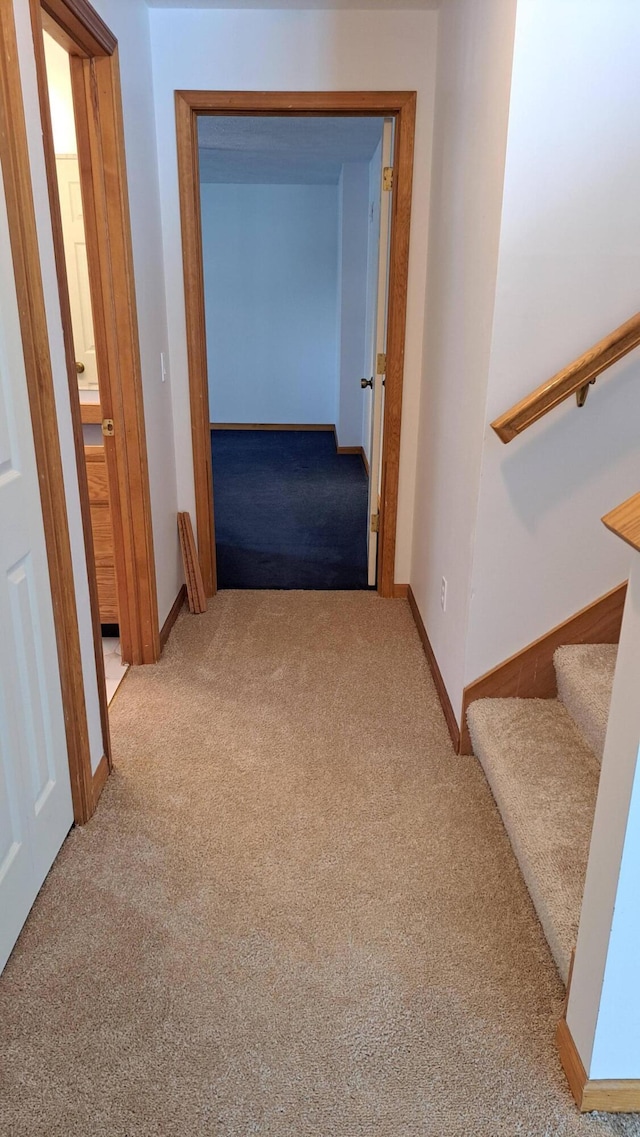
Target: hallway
{"x":295,"y":912}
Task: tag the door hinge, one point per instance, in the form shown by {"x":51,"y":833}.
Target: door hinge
{"x":375,"y":522}
{"x":108,"y":428}
{"x":387,"y":178}
{"x":381,"y":363}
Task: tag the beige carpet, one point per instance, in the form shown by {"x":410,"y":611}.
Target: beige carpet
{"x":544,"y":778}
{"x":585,"y":680}
{"x":296,"y":912}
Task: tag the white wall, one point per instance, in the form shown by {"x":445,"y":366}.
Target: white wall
{"x":271,"y":280}
{"x":353,"y":194}
{"x":296,"y":50}
{"x":568,"y":273}
{"x":474,"y":66}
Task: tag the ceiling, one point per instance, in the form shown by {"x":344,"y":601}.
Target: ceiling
{"x":283,"y":150}
{"x":296,"y":4}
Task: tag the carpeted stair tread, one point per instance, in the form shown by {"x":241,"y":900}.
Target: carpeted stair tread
{"x":544,"y":779}
{"x":585,"y":678}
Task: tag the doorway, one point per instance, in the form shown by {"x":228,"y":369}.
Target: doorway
{"x":292,"y":258}
{"x":98,"y":456}
{"x":396,"y":106}
{"x":80,"y":102}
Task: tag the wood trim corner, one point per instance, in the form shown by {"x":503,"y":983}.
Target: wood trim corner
{"x":399,"y":105}
{"x":401,"y":592}
{"x":591,"y":1094}
{"x":174,"y":612}
{"x":624,"y":521}
{"x":77,"y":26}
{"x":16,"y":171}
{"x":352,"y":450}
{"x":445,"y":702}
{"x":571,"y":1062}
{"x":530,"y":674}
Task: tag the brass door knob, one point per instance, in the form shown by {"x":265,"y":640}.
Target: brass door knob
{"x":79,"y":367}
{"x":366,"y":383}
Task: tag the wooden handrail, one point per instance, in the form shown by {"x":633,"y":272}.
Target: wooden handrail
{"x":573,"y":378}
{"x":624,"y":521}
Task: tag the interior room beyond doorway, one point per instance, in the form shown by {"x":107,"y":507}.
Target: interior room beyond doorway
{"x":84,"y":343}
{"x":290,"y":211}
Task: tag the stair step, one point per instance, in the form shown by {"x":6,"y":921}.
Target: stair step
{"x":544,"y":779}
{"x":585,"y":678}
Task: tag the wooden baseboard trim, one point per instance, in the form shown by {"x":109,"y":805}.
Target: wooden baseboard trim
{"x":603,"y":1095}
{"x":355,"y":450}
{"x":445,"y":702}
{"x":271,"y":426}
{"x":571,"y":1062}
{"x":401,"y":592}
{"x":99,"y":779}
{"x":530,"y":674}
{"x":174,"y":612}
{"x":352,"y":450}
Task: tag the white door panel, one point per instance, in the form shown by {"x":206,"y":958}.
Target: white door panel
{"x":35,"y":792}
{"x":75,"y":255}
{"x":15,"y":863}
{"x":380,"y":347}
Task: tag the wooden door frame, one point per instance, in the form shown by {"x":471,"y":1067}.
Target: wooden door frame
{"x":95,"y":80}
{"x":399,"y":105}
{"x":16,"y":173}
{"x":84,"y":33}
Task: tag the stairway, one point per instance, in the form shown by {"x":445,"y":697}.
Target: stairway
{"x":541,"y":758}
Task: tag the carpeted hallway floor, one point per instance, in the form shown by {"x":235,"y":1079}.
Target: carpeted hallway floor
{"x":290,"y":512}
{"x":295,"y":913}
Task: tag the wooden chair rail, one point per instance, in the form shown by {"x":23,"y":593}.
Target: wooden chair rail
{"x":574,"y":377}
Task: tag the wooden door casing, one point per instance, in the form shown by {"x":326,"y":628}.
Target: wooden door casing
{"x":399,"y":105}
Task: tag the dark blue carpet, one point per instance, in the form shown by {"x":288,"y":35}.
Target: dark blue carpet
{"x":289,"y":511}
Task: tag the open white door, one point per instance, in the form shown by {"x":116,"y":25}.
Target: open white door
{"x":75,"y":255}
{"x":380,"y":349}
{"x":35,"y":790}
